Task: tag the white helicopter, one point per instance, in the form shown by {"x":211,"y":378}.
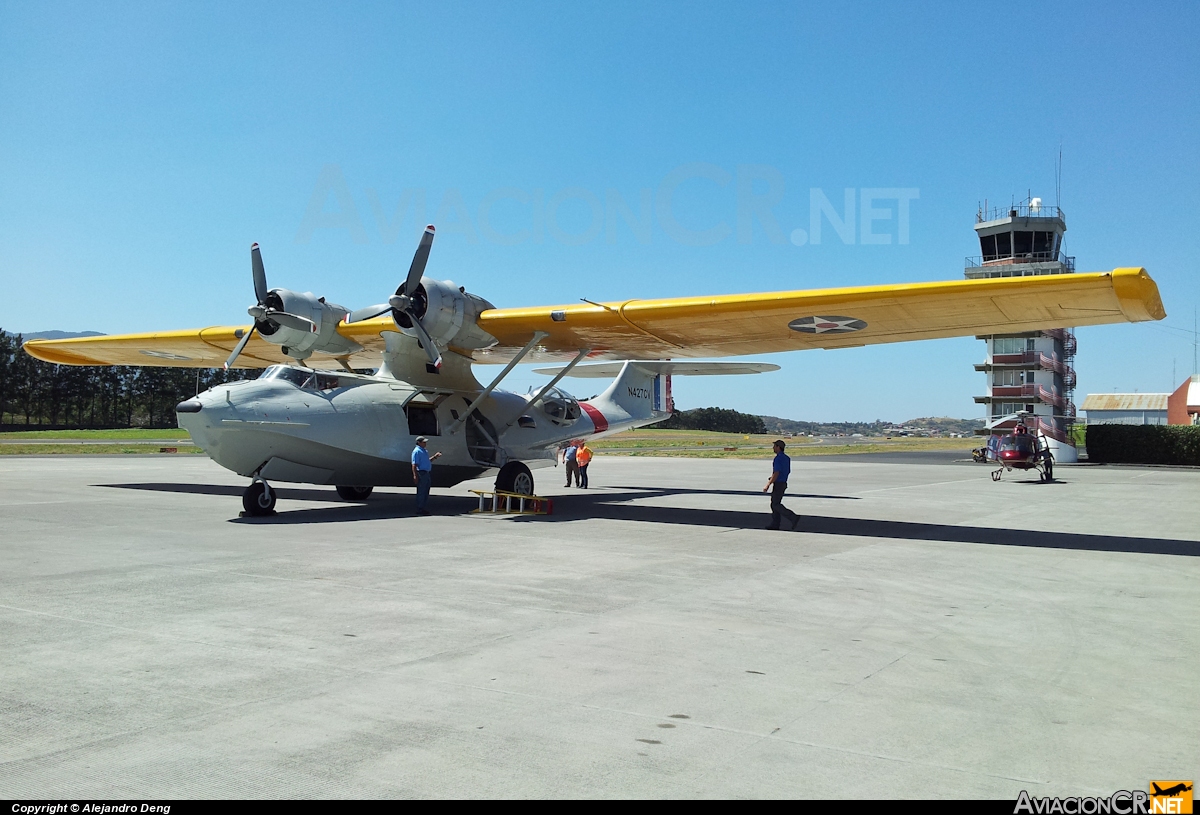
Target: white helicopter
{"x":308,"y":422}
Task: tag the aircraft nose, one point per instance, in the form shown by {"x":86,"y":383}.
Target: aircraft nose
{"x":189,"y":406}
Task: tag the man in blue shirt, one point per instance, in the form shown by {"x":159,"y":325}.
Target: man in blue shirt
{"x":422,"y":468}
{"x":571,"y":460}
{"x":781,"y":468}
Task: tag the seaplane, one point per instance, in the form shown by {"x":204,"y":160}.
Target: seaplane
{"x":313,"y":417}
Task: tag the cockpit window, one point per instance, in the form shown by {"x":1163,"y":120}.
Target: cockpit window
{"x":302,"y":377}
{"x":297,"y":376}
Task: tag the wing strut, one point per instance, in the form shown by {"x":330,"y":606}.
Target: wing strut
{"x":538,"y":336}
{"x":583,"y":352}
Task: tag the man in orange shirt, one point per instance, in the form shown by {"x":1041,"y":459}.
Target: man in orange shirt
{"x":583,"y":455}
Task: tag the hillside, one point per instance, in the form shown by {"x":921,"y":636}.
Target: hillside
{"x":937,"y":426}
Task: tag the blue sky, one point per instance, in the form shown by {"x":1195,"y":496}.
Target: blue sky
{"x":143,"y":147}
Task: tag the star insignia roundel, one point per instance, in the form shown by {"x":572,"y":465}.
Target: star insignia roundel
{"x":827,"y":325}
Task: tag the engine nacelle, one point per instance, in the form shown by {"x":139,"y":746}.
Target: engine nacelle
{"x":449,"y":313}
{"x":301,"y":343}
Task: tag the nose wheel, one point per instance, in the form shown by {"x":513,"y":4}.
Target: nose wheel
{"x":259,"y":499}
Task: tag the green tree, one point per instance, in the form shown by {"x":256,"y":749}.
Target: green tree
{"x":721,"y":420}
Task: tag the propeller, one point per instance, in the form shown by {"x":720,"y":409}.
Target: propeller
{"x":408,"y":304}
{"x":268,"y":312}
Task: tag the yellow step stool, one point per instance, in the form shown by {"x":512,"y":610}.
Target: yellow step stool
{"x":496,"y":502}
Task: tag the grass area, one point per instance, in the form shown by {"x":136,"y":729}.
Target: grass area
{"x":645,"y":442}
{"x":35,"y":449}
{"x":92,"y":442}
{"x":127,"y":433}
{"x":707,"y":444}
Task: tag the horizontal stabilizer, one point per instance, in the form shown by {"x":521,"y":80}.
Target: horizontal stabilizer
{"x":605,"y":370}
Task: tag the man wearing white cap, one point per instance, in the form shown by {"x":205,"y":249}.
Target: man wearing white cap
{"x":422,"y":464}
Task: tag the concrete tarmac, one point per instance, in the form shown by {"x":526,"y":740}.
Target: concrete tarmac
{"x":928,"y":633}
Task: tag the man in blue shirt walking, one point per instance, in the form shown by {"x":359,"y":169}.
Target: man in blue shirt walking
{"x":781,"y":468}
{"x":422,"y":468}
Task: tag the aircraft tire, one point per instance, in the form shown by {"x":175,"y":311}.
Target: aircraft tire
{"x":515,"y":477}
{"x":354,"y":493}
{"x":257,"y":501}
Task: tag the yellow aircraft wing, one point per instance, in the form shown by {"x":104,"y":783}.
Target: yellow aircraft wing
{"x":724,"y":325}
{"x":739,"y":324}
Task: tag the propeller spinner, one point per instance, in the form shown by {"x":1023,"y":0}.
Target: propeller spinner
{"x":268,"y":312}
{"x":409,"y":302}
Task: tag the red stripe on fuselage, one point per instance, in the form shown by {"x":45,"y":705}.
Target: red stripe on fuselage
{"x":596,"y":416}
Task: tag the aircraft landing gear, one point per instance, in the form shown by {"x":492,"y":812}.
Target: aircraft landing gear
{"x":259,"y":499}
{"x":354,"y":493}
{"x":515,"y":477}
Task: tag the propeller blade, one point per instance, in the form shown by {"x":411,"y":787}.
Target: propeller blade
{"x":260,"y":274}
{"x":237,"y":349}
{"x":368,"y":313}
{"x":418,"y":264}
{"x":434,"y":355}
{"x":291,"y":321}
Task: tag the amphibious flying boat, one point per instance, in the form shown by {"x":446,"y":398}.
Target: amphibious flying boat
{"x":310,"y":418}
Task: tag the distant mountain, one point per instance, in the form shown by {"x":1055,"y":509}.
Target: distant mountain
{"x":937,"y":426}
{"x":58,"y":335}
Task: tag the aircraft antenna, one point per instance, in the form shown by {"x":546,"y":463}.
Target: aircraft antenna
{"x":601,"y":305}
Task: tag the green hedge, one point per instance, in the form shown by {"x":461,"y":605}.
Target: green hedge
{"x":1143,"y":444}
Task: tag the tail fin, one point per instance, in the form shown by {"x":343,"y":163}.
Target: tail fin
{"x":641,"y":393}
{"x":637,"y":392}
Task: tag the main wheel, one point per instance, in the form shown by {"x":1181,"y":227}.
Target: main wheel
{"x":354,"y":493}
{"x":515,"y":477}
{"x":258,"y":500}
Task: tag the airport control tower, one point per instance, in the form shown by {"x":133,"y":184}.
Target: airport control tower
{"x":1029,"y":372}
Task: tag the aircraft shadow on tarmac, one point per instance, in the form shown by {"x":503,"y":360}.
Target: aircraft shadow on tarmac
{"x":221,"y":489}
{"x":615,"y":506}
{"x":651,"y":492}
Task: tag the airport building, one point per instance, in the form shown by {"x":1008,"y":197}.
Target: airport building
{"x":1183,"y":406}
{"x":1031,"y":372}
{"x":1126,"y":408}
{"x":1180,"y":408}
